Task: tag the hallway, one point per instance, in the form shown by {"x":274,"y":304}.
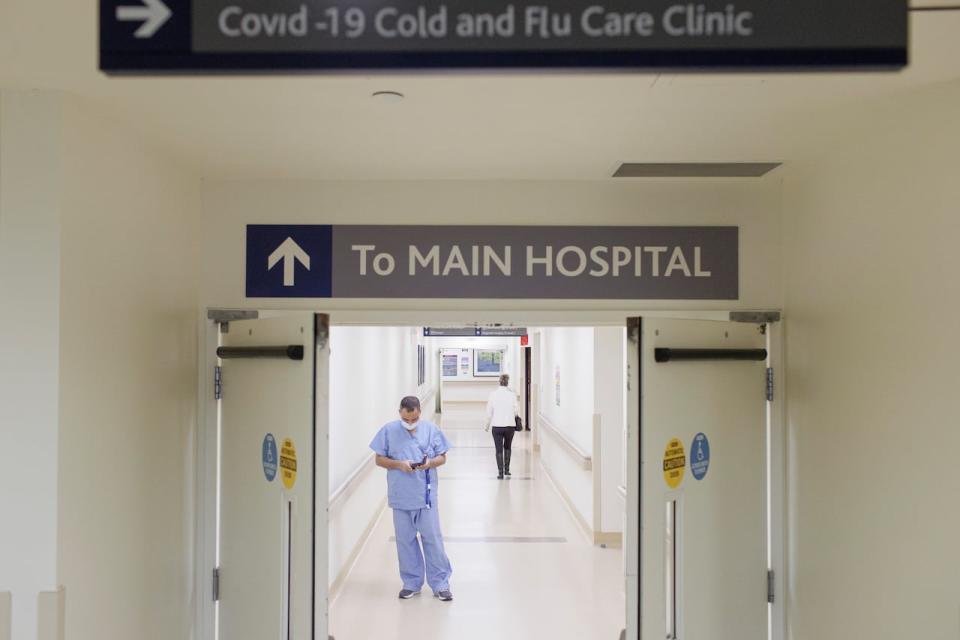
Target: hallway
{"x":522,"y":566}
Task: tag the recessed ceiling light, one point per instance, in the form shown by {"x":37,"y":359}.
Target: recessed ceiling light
{"x":387,"y":96}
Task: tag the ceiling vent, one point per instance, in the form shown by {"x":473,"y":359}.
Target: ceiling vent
{"x":695,"y":169}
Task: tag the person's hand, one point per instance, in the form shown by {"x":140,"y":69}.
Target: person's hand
{"x":404,"y":465}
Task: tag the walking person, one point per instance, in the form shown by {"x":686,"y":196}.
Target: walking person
{"x":502,"y":416}
{"x":411,"y":450}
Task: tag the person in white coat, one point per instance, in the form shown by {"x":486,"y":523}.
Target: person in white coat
{"x":501,"y":416}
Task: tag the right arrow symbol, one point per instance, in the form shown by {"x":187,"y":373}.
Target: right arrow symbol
{"x":153,"y":13}
{"x":290,"y":252}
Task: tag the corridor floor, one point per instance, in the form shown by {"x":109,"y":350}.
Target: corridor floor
{"x":522,"y":568}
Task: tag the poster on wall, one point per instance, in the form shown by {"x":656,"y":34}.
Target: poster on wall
{"x":449,"y":365}
{"x":487,"y":363}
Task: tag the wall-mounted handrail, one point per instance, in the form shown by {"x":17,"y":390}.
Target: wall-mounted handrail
{"x":582,"y":458}
{"x":344,"y":489}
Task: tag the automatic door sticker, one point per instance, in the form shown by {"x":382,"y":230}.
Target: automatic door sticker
{"x":699,"y":456}
{"x":288,"y":463}
{"x":269,"y":457}
{"x":674,"y":463}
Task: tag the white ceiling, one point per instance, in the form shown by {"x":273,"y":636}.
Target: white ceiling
{"x":518,"y":126}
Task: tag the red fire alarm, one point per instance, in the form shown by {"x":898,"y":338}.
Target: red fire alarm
{"x":524,"y":341}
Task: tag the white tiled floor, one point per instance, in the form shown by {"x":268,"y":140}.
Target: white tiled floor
{"x":503,"y":590}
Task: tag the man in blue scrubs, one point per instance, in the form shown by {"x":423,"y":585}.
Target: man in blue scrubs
{"x":410,"y":450}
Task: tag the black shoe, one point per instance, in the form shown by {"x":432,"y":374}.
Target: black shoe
{"x":500,"y":476}
{"x":507,"y":472}
{"x":445,"y":596}
{"x":406,"y":594}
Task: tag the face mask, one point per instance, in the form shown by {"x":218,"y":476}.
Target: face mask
{"x":410,"y":427}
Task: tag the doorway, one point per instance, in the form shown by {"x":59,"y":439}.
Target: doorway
{"x":632,"y":488}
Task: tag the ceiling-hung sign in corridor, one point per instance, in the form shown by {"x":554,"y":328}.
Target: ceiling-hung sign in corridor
{"x":304,"y":35}
{"x":494,"y":262}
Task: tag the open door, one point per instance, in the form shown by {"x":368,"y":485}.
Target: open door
{"x":698,"y":405}
{"x":272,"y":569}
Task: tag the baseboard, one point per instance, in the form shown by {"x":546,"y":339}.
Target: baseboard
{"x":612,"y":540}
{"x":571,"y":507}
{"x":341,"y":578}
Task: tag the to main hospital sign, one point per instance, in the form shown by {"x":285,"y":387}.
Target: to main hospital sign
{"x":615,"y":263}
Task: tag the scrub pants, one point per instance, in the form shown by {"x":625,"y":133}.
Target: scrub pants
{"x":413,"y":570}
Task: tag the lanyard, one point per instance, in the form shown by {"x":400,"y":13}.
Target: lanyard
{"x":427,"y":497}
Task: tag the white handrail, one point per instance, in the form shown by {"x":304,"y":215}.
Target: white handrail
{"x":582,"y":458}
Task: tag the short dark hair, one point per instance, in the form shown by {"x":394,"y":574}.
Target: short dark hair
{"x":410,"y":403}
{"x":505,"y":380}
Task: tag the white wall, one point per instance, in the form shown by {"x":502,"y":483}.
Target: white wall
{"x":571,"y":351}
{"x":754,"y":205}
{"x":128,"y":319}
{"x":609,"y":399}
{"x":371,"y":369}
{"x":872,"y":301}
{"x":30,"y":212}
{"x":591,"y":365}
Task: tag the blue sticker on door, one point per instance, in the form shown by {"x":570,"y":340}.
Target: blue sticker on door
{"x":270,"y":457}
{"x":700,"y":456}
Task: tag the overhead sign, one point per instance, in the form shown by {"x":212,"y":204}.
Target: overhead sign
{"x":614,"y":263}
{"x":298,"y":35}
{"x":477,"y":332}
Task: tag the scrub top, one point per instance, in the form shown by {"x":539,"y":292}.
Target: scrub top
{"x":410,"y":491}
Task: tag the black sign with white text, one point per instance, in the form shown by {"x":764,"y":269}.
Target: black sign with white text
{"x":303,"y":35}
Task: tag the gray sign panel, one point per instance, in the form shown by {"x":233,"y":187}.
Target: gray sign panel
{"x":622,"y":263}
{"x":247,"y":26}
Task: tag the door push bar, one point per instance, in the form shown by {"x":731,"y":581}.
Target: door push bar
{"x":291,"y":352}
{"x":670,"y":355}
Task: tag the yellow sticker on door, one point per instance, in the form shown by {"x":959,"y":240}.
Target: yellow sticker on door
{"x":288,"y":463}
{"x":674,"y":463}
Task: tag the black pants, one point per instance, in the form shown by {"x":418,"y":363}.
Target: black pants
{"x":503,"y":441}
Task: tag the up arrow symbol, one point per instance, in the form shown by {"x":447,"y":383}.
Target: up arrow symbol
{"x":290,"y":252}
{"x":152,"y":13}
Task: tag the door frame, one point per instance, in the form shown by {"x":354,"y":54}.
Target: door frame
{"x":206,"y":446}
